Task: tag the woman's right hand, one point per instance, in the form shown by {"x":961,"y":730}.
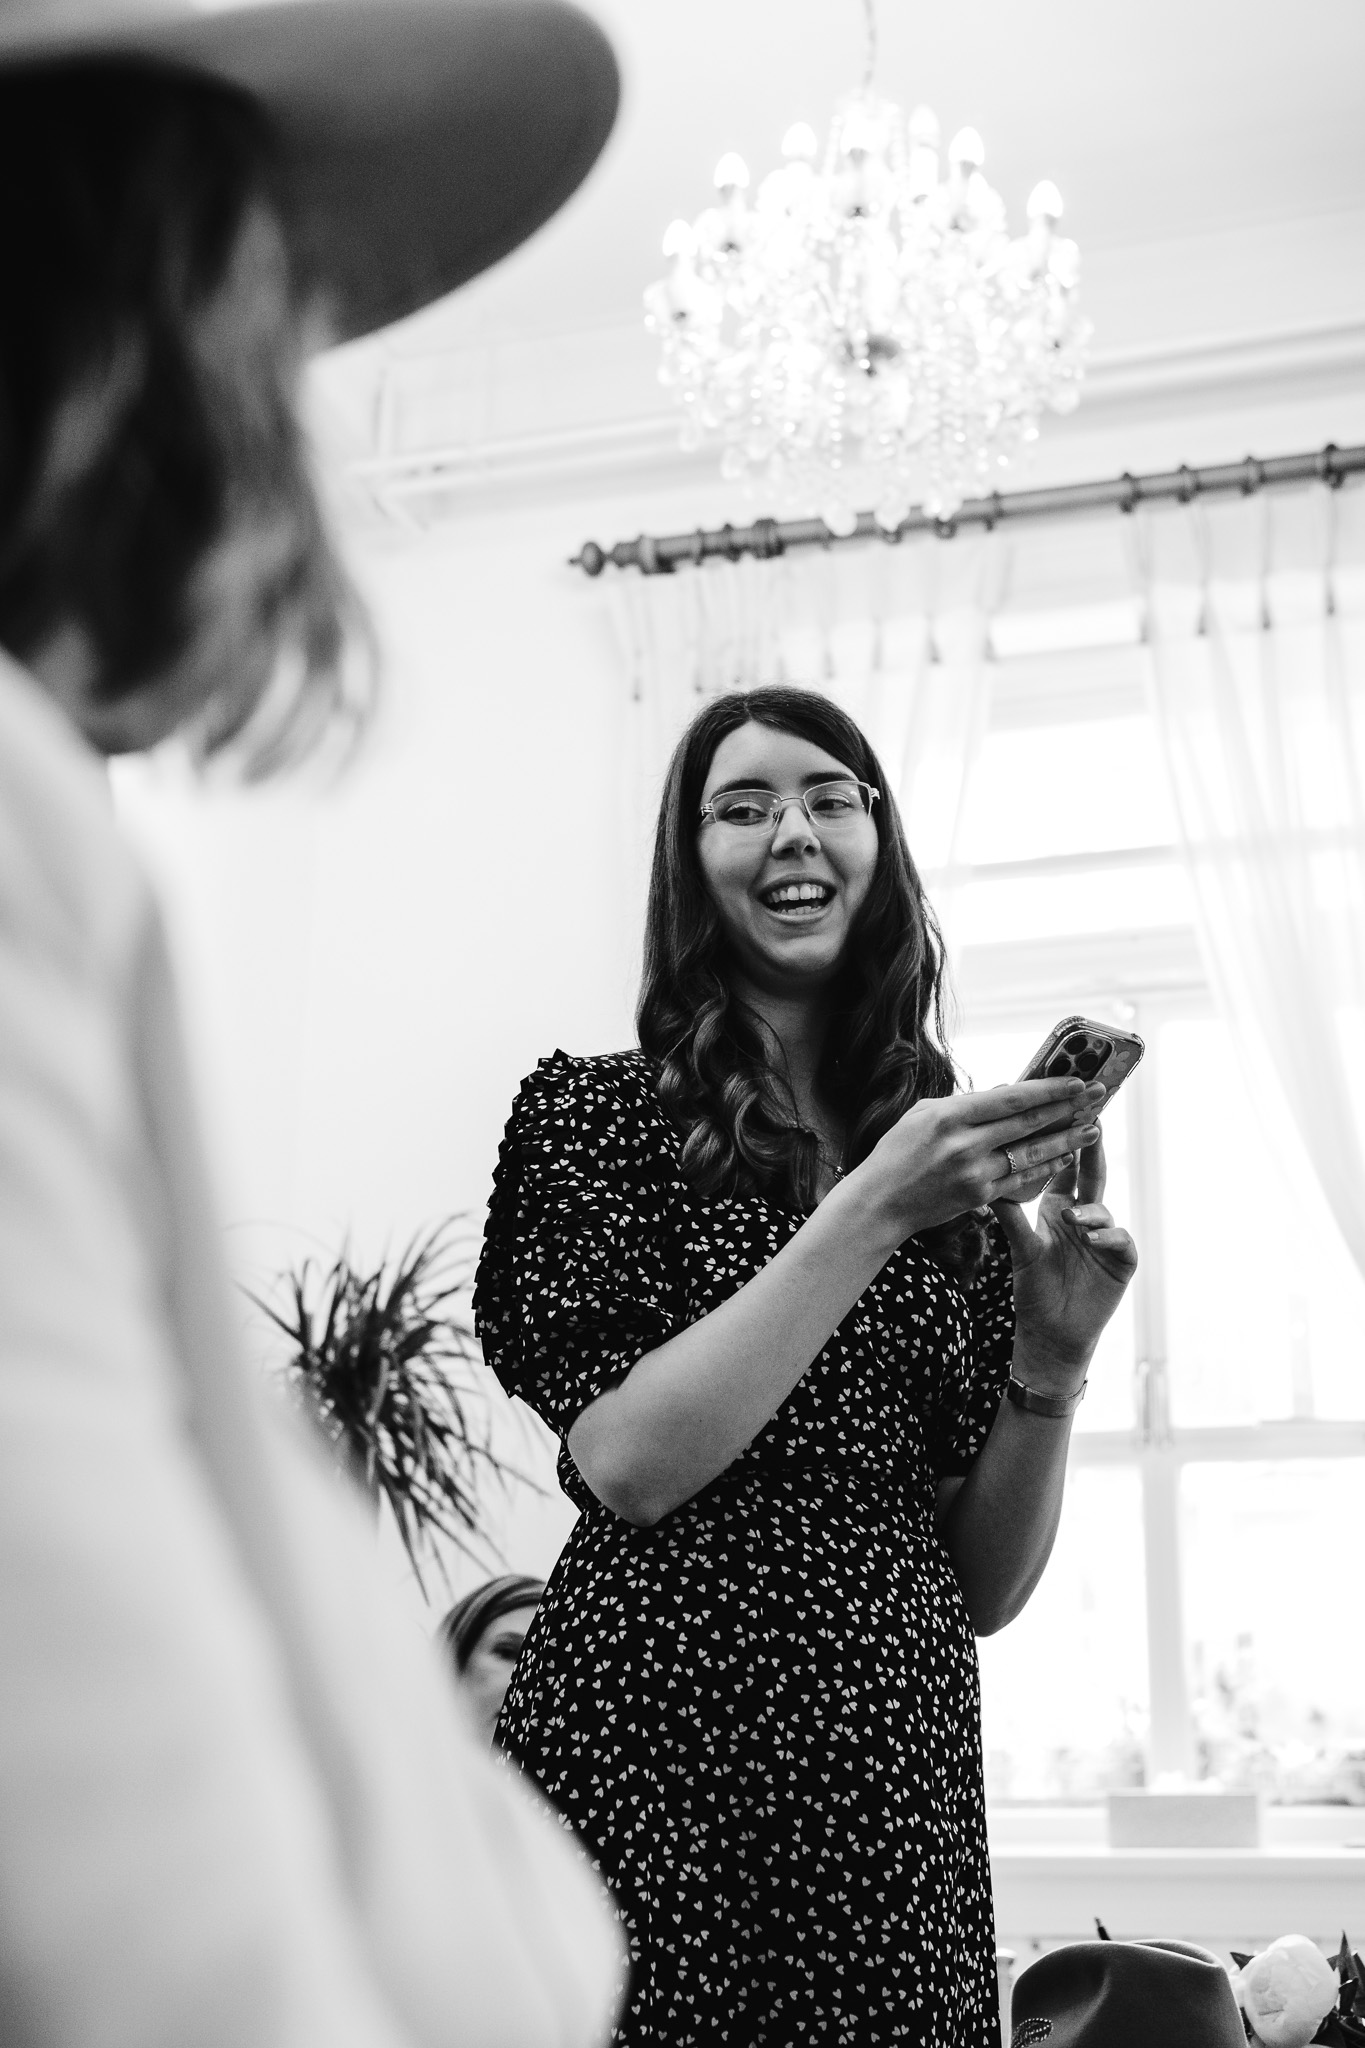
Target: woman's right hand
{"x":947,"y":1154}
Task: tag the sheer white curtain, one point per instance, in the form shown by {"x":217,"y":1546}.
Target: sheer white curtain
{"x":1256,"y":623}
{"x":897,"y":636}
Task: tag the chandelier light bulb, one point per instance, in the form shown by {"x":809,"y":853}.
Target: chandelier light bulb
{"x":860,"y":134}
{"x":868,"y":333}
{"x":922,"y":128}
{"x":679,"y":240}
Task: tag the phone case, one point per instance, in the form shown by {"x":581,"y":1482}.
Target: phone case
{"x":1090,"y":1051}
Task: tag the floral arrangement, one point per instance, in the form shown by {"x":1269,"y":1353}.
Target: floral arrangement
{"x":388,"y":1365}
{"x":1291,"y":1996}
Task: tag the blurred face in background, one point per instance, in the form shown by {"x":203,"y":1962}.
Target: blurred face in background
{"x":488,"y":1670}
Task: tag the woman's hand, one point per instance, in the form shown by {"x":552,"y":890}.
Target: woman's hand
{"x":956,"y":1152}
{"x":1070,"y":1272}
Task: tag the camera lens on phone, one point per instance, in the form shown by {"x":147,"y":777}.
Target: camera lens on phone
{"x":1090,"y":1061}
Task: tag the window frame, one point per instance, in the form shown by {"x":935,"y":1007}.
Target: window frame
{"x":1143,"y":980}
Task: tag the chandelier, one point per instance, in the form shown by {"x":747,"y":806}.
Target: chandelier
{"x":864,"y":331}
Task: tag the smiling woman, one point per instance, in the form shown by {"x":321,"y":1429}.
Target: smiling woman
{"x":746,"y":1273}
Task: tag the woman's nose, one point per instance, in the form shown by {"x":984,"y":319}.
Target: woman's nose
{"x":794,"y":828}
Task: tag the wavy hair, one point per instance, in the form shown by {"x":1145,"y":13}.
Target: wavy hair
{"x":155,"y":490}
{"x":885,"y":1049}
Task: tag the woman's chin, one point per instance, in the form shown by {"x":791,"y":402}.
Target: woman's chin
{"x":806,"y":961}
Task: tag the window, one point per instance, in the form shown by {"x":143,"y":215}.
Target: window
{"x":1197,"y":1613}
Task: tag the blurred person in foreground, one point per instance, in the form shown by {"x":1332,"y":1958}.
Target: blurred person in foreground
{"x":483,"y":1636}
{"x":236,"y":1805}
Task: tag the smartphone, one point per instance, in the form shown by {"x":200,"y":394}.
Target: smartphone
{"x":1090,"y":1051}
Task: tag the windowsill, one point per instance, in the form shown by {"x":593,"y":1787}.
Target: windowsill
{"x":1053,"y":1873}
{"x":1323,"y":1830}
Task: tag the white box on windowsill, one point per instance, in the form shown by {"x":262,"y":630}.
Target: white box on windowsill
{"x":1184,"y":1820}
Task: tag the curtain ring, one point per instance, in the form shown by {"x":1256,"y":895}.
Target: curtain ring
{"x":1327,"y":467}
{"x":697,"y":550}
{"x":767,"y":542}
{"x":994,"y":509}
{"x":651,"y":562}
{"x":1129,"y":498}
{"x":1189,"y":484}
{"x":946,"y":529}
{"x":1253,"y":476}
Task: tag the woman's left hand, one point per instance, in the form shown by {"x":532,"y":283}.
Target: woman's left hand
{"x":1070,"y":1272}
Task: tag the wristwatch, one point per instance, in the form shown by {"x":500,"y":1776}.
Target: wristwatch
{"x":1056,"y":1406}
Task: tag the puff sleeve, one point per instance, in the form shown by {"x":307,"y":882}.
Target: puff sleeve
{"x":579,"y":1275}
{"x":973,"y":1376}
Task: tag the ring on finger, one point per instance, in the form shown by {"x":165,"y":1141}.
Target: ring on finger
{"x":1013,"y":1169}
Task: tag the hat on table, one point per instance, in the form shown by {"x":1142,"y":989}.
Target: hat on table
{"x":421,"y":139}
{"x":1126,"y":1994}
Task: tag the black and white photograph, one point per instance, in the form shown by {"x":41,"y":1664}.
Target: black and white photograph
{"x":682,"y":1024}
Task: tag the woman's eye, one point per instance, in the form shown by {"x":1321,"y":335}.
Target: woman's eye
{"x":743,"y":811}
{"x":833,"y":803}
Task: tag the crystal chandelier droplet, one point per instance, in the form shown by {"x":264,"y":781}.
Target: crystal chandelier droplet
{"x":862,"y":330}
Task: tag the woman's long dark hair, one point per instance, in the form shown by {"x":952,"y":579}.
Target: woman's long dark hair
{"x":885,"y":1048}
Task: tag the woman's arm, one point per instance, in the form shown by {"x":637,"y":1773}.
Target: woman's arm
{"x":688,"y":1409}
{"x":998,"y":1523}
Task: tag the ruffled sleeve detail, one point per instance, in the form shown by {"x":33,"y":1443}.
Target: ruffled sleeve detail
{"x":973,"y":1379}
{"x":578,"y":1276}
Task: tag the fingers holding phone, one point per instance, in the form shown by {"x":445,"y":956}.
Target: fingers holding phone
{"x":1053,"y":1160}
{"x":948,"y":1154}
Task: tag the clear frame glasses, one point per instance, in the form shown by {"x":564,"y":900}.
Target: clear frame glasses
{"x":828,"y":805}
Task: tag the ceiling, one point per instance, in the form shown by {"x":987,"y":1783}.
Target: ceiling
{"x":1159,"y":120}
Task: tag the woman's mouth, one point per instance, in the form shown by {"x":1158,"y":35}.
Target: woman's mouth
{"x":797,"y":901}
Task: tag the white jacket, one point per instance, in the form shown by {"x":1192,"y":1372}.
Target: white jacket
{"x":238,"y":1806}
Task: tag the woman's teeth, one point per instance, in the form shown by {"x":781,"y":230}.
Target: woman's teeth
{"x":798,"y":899}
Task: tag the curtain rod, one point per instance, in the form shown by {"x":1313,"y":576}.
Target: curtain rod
{"x":656,"y":555}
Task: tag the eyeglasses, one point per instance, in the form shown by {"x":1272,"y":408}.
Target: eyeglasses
{"x":828,"y":805}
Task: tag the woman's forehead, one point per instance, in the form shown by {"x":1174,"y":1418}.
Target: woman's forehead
{"x":757,"y":754}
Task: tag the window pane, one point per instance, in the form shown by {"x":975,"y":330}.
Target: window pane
{"x":1053,"y":789}
{"x":1265,"y":1308}
{"x":1143,"y":898}
{"x":1064,"y":1688}
{"x":992,"y":1057}
{"x":1277,"y":1655}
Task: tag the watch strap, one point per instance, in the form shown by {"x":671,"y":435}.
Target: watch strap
{"x":1056,"y":1406}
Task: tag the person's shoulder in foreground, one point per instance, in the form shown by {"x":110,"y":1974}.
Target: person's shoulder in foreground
{"x":65,"y":870}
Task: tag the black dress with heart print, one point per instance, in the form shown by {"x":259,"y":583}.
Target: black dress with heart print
{"x":760,"y":1716}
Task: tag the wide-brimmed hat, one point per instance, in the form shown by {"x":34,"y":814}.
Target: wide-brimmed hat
{"x":421,"y":139}
{"x":1126,"y":1994}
